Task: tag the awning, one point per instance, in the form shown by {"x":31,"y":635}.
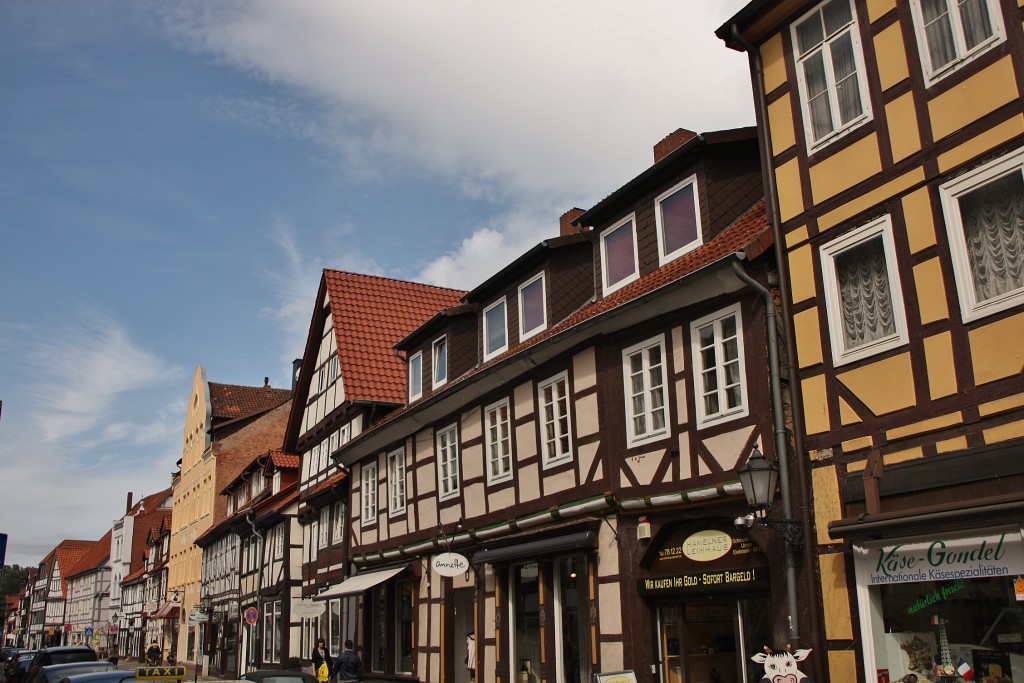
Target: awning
{"x":360,"y":582}
{"x":169,"y":610}
{"x":546,"y":546}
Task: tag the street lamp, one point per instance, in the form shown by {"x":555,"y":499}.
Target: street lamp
{"x":759,"y":479}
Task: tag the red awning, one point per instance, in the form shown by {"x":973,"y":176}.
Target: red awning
{"x":169,"y":610}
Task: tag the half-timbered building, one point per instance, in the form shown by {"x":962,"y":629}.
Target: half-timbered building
{"x":88,"y":611}
{"x":540,"y":509}
{"x":348,"y":379}
{"x":893,"y":133}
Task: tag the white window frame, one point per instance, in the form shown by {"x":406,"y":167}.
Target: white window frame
{"x":963,"y":55}
{"x":440,"y":345}
{"x":275,"y":484}
{"x":505,"y":457}
{"x":881,"y":226}
{"x":725,"y":414}
{"x":950,"y":193}
{"x":415,"y":375}
{"x":632,"y":438}
{"x":839,"y":130}
{"x":338,"y":532}
{"x":449,"y":487}
{"x":396,"y":482}
{"x":489,"y":354}
{"x":523,"y":332}
{"x":551,"y":458}
{"x":368,"y":488}
{"x":659,"y":220}
{"x":325,"y":528}
{"x":607,"y":287}
{"x":278,"y":542}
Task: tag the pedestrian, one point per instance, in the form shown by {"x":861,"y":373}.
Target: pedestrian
{"x":471,"y":655}
{"x":153,"y":654}
{"x":323,"y":665}
{"x":350,"y":667}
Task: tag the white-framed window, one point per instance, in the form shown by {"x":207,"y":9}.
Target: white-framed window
{"x":677,"y":214}
{"x":533,"y":308}
{"x":497,"y":432}
{"x":231,"y":505}
{"x":272,"y":640}
{"x":984,"y":213}
{"x":415,"y":376}
{"x":619,"y":264}
{"x":325,"y":454}
{"x":439,"y":365}
{"x":368,"y":479}
{"x":448,"y":462}
{"x":314,"y":461}
{"x":643,"y":368}
{"x":830,"y":72}
{"x":950,"y":33}
{"x":338,"y":512}
{"x":396,"y":481}
{"x":555,"y":425}
{"x":719,"y":366}
{"x":276,"y":482}
{"x":862,"y":292}
{"x":278,"y":542}
{"x":325,"y":527}
{"x":257,"y":482}
{"x":495,"y":329}
{"x":314,"y":531}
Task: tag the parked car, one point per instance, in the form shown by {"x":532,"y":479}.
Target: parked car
{"x":17,"y":668}
{"x":56,"y":672}
{"x":140,"y":675}
{"x":278,"y":676}
{"x":61,"y":654}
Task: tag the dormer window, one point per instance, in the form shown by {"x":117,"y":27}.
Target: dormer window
{"x":678,"y":220}
{"x":276,"y":482}
{"x":415,"y":376}
{"x":495,"y":329}
{"x":532,"y":307}
{"x":619,"y":264}
{"x":439,"y":353}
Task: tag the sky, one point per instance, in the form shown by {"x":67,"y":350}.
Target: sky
{"x":175,"y":175}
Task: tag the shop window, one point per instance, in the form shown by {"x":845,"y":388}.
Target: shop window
{"x":334,"y":627}
{"x":943,"y":607}
{"x":272,"y":631}
{"x":984,"y":212}
{"x":391,"y":648}
{"x":526,"y":630}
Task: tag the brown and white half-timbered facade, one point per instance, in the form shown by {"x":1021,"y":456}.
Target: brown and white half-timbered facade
{"x":548,"y":500}
{"x":894,"y":140}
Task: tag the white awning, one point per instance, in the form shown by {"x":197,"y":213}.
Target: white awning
{"x":360,"y":582}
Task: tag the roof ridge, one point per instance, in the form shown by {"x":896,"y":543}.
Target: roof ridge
{"x":392,"y":279}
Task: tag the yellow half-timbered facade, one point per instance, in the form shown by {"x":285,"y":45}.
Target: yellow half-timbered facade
{"x":893,"y":132}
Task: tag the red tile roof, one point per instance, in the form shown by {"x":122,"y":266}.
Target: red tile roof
{"x":332,"y":480}
{"x":282,"y":460}
{"x":145,"y":522}
{"x":95,"y":556}
{"x":234,"y":402}
{"x":67,"y":554}
{"x":371,"y":315}
{"x":750,"y":233}
{"x":236,"y":452}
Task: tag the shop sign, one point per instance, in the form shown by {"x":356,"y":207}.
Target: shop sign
{"x":450,"y":564}
{"x":942,"y":559}
{"x":707,"y":545}
{"x":308,"y":609}
{"x":702,"y":582}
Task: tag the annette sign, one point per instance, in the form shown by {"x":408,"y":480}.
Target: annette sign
{"x":450,"y":564}
{"x":942,"y":559}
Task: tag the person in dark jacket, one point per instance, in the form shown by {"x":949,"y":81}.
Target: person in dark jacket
{"x":349,"y":666}
{"x":321,"y":658}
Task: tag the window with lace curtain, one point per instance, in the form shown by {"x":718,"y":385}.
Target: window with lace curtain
{"x":830,"y":72}
{"x":984,"y":212}
{"x":950,"y":33}
{"x":862,"y":292}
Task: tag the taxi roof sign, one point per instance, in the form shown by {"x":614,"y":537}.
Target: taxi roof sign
{"x":160,"y":673}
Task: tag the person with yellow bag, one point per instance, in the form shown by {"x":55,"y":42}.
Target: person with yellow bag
{"x":323,"y":663}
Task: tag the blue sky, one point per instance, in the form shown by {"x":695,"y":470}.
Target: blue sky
{"x":175,"y":175}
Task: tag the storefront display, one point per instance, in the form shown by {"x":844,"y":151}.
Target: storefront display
{"x":947,"y":608}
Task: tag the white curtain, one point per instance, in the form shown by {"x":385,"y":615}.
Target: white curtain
{"x":993,"y":220}
{"x":976,"y":22}
{"x":865,"y":294}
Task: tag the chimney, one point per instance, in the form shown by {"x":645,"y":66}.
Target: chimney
{"x":128,"y":505}
{"x":266,"y":382}
{"x":296,"y":366}
{"x":672,"y":142}
{"x":565,"y":226}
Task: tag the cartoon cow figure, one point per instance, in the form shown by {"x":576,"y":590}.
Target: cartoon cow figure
{"x":780,"y":667}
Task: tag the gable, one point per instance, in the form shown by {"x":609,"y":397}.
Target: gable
{"x":326,"y":386}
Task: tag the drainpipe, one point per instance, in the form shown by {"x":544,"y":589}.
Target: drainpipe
{"x":781,"y":440}
{"x":774,"y":220}
{"x":254,"y":629}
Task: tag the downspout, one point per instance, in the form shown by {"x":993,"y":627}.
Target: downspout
{"x":781,"y":442}
{"x":774,"y":220}
{"x":254,"y":629}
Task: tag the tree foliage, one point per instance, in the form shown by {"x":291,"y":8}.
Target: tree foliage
{"x":12,"y":579}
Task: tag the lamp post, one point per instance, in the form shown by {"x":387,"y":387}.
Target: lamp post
{"x":759,"y":479}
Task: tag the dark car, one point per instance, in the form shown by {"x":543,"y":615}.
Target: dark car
{"x":56,"y":672}
{"x":62,"y":654}
{"x":140,"y":675}
{"x":278,"y":676}
{"x":17,"y":668}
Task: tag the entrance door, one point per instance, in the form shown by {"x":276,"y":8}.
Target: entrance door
{"x":711,"y":641}
{"x":463,"y":626}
